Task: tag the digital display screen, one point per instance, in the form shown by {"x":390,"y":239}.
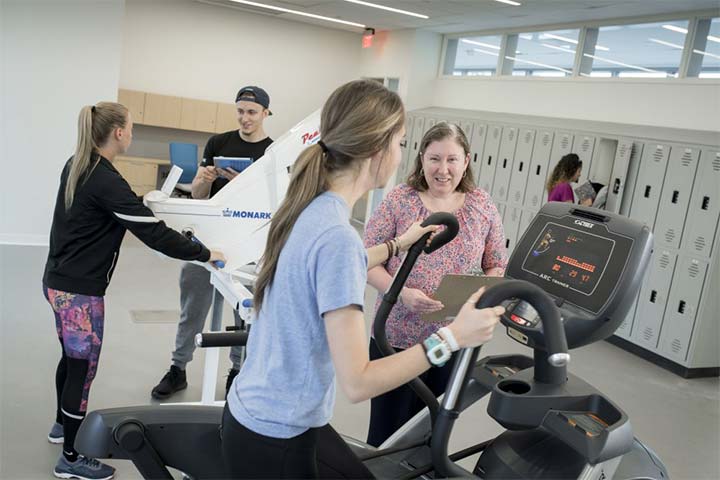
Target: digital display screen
{"x":569,"y":258}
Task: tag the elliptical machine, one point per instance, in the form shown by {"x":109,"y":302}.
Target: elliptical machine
{"x":558,"y":425}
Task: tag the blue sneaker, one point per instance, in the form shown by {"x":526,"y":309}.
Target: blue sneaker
{"x":83,"y":468}
{"x":57,"y":434}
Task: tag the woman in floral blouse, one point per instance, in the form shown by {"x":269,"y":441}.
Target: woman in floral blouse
{"x":441,"y":182}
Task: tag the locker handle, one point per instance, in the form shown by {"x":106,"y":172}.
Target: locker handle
{"x":520,"y":167}
{"x":705,"y":203}
{"x":675,"y":196}
{"x":475,"y":158}
{"x":616,"y":186}
{"x":647,"y":191}
{"x":537,"y":171}
{"x":489,"y":159}
{"x":507,"y":243}
{"x":681,"y":306}
{"x":505,"y":163}
{"x":415,"y":147}
{"x":653,"y":296}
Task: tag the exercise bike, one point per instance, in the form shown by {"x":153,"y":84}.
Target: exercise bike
{"x":569,"y":283}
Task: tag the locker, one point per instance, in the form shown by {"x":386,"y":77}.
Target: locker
{"x":429,"y":122}
{"x":404,"y":167}
{"x":467,"y":128}
{"x":538,"y":170}
{"x":501,"y":209}
{"x":584,"y":146}
{"x":618,"y":177}
{"x":561,"y":147}
{"x":702,"y":217}
{"x":682,"y":307}
{"x":631,"y":180}
{"x":521,"y":167}
{"x":649,"y":184}
{"x":675,"y":196}
{"x":418,"y":132}
{"x":625,"y":328}
{"x":477,"y":147}
{"x":489,"y":158}
{"x":525,"y":218}
{"x":504,"y":169}
{"x":653,"y":299}
{"x":511,"y":225}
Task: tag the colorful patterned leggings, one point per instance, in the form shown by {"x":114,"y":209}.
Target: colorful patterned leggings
{"x":79,"y":322}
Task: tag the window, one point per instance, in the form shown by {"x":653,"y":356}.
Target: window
{"x":544,"y":54}
{"x":710,"y":53}
{"x":646,"y":50}
{"x":473,"y":56}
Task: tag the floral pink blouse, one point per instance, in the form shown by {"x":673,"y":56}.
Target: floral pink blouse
{"x":479,"y":246}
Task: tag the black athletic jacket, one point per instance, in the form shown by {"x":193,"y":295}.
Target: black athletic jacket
{"x":85,"y":240}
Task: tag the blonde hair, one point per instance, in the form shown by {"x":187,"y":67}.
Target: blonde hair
{"x":95,"y":124}
{"x":438,"y":132}
{"x":358,"y":120}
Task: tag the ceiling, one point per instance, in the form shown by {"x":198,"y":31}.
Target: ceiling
{"x":455,"y":16}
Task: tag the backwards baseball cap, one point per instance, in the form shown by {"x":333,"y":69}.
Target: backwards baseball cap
{"x":254,"y":94}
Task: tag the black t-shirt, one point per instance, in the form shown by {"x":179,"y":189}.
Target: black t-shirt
{"x":230,"y":144}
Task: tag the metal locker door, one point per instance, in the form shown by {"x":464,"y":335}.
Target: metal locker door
{"x":631,"y":178}
{"x":534,"y":197}
{"x":653,"y":299}
{"x":584,"y":146}
{"x":521,"y":167}
{"x":467,"y":128}
{"x":525,"y":219}
{"x":418,"y":132}
{"x":561,"y":147}
{"x":489,"y":158}
{"x":649,"y":184}
{"x":625,"y":329}
{"x":404,"y":168}
{"x":477,"y":147}
{"x":501,"y":209}
{"x":675,"y":196}
{"x":616,"y":187}
{"x":511,"y":225}
{"x":505,"y":164}
{"x":682,"y":307}
{"x":429,"y":122}
{"x":704,"y":210}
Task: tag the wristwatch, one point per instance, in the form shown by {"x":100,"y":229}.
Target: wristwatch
{"x":437,"y":350}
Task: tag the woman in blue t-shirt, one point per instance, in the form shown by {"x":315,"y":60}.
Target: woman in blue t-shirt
{"x":310,"y":326}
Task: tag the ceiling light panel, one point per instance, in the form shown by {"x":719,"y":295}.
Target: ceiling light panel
{"x":297,"y":12}
{"x":389,"y":9}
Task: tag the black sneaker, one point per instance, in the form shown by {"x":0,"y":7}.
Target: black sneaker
{"x":231,"y":376}
{"x":173,"y":381}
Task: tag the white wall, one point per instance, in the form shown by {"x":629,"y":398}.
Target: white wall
{"x":191,"y":49}
{"x":686,"y":104}
{"x":56,"y":57}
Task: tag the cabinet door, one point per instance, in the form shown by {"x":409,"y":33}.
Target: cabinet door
{"x":477,"y":147}
{"x":701,"y":229}
{"x":538,"y":170}
{"x":141,"y":176}
{"x":584,"y":146}
{"x":417,"y":135}
{"x":649,"y":183}
{"x":162,"y":110}
{"x":467,"y":127}
{"x":511,"y":225}
{"x":616,"y":187}
{"x":504,"y":169}
{"x":631,"y":180}
{"x":198,"y":115}
{"x":626,"y":327}
{"x":226,"y":119}
{"x":521,"y":167}
{"x":489,"y":159}
{"x":135,"y":103}
{"x":653,"y":299}
{"x":526,"y":219}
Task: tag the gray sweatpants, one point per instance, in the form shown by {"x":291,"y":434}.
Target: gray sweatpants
{"x":196,"y":296}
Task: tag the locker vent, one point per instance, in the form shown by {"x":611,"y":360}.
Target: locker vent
{"x":546,"y":139}
{"x":496,"y":132}
{"x":528,"y":138}
{"x":670,"y":235}
{"x":586,"y":145}
{"x":658,"y":155}
{"x":700,"y":244}
{"x":676,"y":345}
{"x":623,"y":150}
{"x":664,"y":261}
{"x":534,"y":201}
{"x":502,"y":192}
{"x":481,"y":130}
{"x":511,"y":134}
{"x":716,"y":163}
{"x":687,"y":158}
{"x":565,"y":141}
{"x":515,"y":215}
{"x":694,"y":270}
{"x":648,"y":334}
{"x":517,"y":195}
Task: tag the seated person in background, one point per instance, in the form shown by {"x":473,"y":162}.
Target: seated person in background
{"x":567,"y":171}
{"x":441,"y":181}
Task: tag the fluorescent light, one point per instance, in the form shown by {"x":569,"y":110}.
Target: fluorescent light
{"x":389,"y":9}
{"x":713,"y":39}
{"x":485,"y":51}
{"x":510,"y":2}
{"x":567,"y":50}
{"x":667,"y":44}
{"x":707,"y":54}
{"x":675,"y":29}
{"x":613,"y":62}
{"x":600,"y":47}
{"x":295,"y":12}
{"x":538,"y":64}
{"x":558,"y":37}
{"x":480,"y":44}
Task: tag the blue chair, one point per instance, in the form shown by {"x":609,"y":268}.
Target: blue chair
{"x":185,"y":156}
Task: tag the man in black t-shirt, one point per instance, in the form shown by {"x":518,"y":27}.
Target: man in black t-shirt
{"x":196,"y":292}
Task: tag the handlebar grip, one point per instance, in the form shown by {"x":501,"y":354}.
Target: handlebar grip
{"x":451,"y":230}
{"x":221,"y":339}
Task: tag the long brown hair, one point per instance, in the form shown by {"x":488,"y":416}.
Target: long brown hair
{"x":564,"y":170}
{"x":358,"y":120}
{"x":439,"y":132}
{"x":95,"y":124}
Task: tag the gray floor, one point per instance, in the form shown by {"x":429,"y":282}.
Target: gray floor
{"x":676,"y":417}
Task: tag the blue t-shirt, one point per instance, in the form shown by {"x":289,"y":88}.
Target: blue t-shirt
{"x":287,"y":383}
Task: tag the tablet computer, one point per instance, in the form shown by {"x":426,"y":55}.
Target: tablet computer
{"x":236,"y":163}
{"x":453,"y":292}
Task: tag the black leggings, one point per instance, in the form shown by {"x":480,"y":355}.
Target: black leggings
{"x":393,"y":409}
{"x":317,"y":453}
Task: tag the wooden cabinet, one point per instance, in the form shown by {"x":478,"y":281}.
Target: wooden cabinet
{"x":140,"y":173}
{"x":226,"y":118}
{"x":198,"y":115}
{"x":135,"y":103}
{"x":162,"y":110}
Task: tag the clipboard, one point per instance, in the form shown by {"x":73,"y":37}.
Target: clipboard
{"x":453,"y":292}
